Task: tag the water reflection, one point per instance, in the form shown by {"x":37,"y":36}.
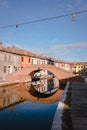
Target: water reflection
{"x":44,"y":91}
{"x":45,"y":85}
{"x":28,"y":116}
{"x":38,"y":109}
{"x":7,"y":98}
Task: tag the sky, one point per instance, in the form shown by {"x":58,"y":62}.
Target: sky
{"x":62,"y":38}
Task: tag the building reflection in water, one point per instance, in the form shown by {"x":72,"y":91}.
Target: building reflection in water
{"x":8,"y":98}
{"x":46,"y":85}
{"x":44,"y":91}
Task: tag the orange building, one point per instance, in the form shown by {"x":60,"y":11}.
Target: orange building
{"x":25,"y":56}
{"x":25,"y":61}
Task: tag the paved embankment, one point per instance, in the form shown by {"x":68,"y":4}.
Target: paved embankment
{"x":57,"y":121}
{"x":79,"y":106}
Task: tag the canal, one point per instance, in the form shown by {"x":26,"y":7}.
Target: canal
{"x":26,"y":115}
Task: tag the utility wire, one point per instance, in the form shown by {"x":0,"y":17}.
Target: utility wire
{"x":44,"y":19}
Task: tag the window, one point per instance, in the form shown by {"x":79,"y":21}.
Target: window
{"x":22,"y":59}
{"x":29,"y":60}
{"x":4,"y":69}
{"x":5,"y":57}
{"x":42,"y":62}
{"x":32,"y":61}
{"x":9,"y":57}
{"x":18,"y":68}
{"x":15,"y":68}
{"x":37,"y":62}
{"x":21,"y":67}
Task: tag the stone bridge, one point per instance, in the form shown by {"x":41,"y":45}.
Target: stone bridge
{"x":24,"y":74}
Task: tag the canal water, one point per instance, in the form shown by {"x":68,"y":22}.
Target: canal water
{"x":25,"y":115}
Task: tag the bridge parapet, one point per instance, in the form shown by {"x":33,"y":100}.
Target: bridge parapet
{"x":24,"y":74}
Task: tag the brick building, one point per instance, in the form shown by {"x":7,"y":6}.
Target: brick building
{"x":13,"y":59}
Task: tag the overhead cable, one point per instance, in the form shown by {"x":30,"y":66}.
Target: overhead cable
{"x":44,"y":19}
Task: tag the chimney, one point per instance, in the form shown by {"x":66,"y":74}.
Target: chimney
{"x":1,"y":44}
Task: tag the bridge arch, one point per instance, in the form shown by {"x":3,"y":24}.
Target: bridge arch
{"x":24,"y":74}
{"x":58,"y":73}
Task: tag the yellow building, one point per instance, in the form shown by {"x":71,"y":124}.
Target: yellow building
{"x":78,"y":69}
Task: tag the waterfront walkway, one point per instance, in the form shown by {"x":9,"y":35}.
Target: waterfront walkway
{"x":79,"y":106}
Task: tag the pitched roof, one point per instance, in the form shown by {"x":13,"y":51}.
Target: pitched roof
{"x":18,"y":51}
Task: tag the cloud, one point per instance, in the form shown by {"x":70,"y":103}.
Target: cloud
{"x":69,"y":52}
{"x":69,"y":46}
